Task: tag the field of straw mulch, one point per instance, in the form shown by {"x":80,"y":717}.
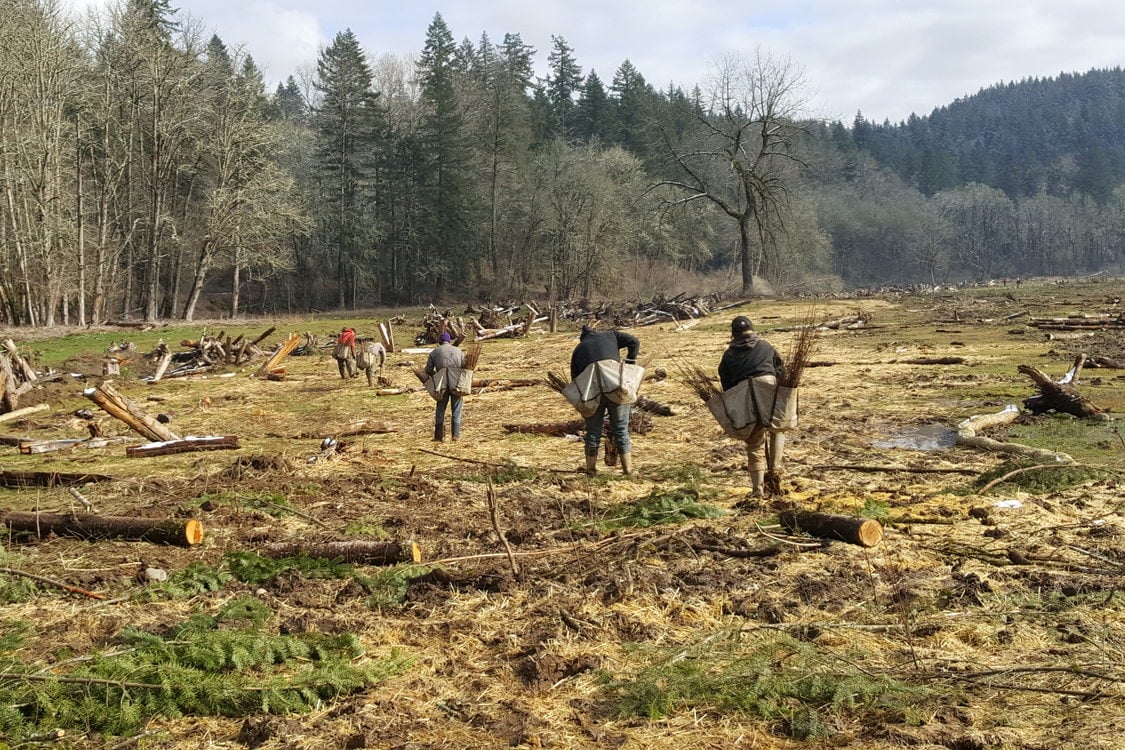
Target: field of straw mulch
{"x":1011,"y":602}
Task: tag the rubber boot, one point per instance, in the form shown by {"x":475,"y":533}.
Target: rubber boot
{"x":610,"y":453}
{"x":757,"y":479}
{"x":591,"y":464}
{"x":439,"y":434}
{"x":626,"y":463}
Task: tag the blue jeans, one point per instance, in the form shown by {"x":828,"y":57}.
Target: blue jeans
{"x":618,"y":425}
{"x":454,"y":401}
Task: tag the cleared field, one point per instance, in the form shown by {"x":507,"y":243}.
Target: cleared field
{"x":662,"y":610}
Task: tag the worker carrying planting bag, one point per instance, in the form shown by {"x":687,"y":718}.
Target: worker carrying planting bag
{"x":602,"y":384}
{"x":753,"y":406}
{"x":448,"y":377}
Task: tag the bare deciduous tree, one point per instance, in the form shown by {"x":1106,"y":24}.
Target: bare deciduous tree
{"x":739,"y":155}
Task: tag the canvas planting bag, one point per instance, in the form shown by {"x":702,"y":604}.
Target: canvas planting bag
{"x":617,"y":381}
{"x":453,"y":379}
{"x":755,"y":402}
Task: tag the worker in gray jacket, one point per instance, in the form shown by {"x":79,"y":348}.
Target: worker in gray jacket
{"x":371,"y":357}
{"x":446,"y":355}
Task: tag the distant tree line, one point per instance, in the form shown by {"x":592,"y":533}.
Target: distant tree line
{"x":147,"y":173}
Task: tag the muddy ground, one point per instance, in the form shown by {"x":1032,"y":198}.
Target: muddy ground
{"x":1009,"y":605}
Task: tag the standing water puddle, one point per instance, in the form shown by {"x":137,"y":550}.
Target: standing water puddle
{"x":927,"y":437}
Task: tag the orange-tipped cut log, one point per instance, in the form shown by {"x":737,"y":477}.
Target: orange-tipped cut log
{"x":866,"y":532}
{"x":88,"y":526}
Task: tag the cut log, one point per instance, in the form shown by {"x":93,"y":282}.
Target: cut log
{"x":128,"y":412}
{"x":21,"y":479}
{"x":361,"y":552}
{"x":186,"y":445}
{"x":275,"y":359}
{"x":89,"y":526}
{"x":866,"y":532}
{"x":14,"y":415}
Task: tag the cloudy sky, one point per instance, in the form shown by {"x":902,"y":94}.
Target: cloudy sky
{"x":886,"y":58}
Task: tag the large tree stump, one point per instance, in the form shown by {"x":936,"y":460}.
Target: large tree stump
{"x":88,"y":526}
{"x":1058,"y":396}
{"x":362,"y":552}
{"x":866,"y":532}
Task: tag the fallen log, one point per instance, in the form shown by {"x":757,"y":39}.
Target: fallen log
{"x":653,"y":407}
{"x":88,"y":526}
{"x":14,"y":415}
{"x":189,"y":444}
{"x":129,"y":412}
{"x":1106,"y":362}
{"x":1057,"y":396}
{"x":967,"y":437}
{"x":360,"y":552}
{"x":933,"y":361}
{"x":366,"y":427}
{"x":29,"y":447}
{"x":866,"y":532}
{"x":21,"y":479}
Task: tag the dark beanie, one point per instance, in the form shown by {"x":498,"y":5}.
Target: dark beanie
{"x":445,"y":337}
{"x":740,"y":325}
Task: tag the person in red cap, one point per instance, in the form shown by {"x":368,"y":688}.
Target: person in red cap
{"x":749,"y":356}
{"x":345,"y":352}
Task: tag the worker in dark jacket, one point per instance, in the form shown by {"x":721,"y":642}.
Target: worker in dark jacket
{"x":749,"y":356}
{"x":595,"y":346}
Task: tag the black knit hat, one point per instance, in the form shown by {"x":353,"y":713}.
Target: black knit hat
{"x":740,"y":325}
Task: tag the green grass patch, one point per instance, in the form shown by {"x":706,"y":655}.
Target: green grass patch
{"x":367,"y":528}
{"x":1040,"y":479}
{"x":228,"y":664}
{"x":789,"y":683}
{"x":1086,"y":440}
{"x":662,"y":506}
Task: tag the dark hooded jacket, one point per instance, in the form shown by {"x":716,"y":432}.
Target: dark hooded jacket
{"x":598,"y":345}
{"x":749,"y":356}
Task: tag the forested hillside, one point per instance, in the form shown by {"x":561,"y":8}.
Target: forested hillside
{"x":149,"y":172}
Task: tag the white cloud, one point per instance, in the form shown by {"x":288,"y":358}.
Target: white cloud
{"x":887,"y":58}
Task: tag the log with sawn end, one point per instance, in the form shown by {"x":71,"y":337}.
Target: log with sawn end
{"x":185,"y":533}
{"x":358,"y":551}
{"x":128,"y":412}
{"x":189,"y":444}
{"x":866,"y":532}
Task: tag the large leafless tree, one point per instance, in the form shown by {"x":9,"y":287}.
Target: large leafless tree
{"x":739,"y":156}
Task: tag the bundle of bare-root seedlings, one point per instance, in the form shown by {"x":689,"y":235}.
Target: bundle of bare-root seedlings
{"x":699,"y":381}
{"x":800,"y":353}
{"x":556,"y":382}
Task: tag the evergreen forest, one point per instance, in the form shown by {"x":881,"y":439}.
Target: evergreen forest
{"x":148,"y":172}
